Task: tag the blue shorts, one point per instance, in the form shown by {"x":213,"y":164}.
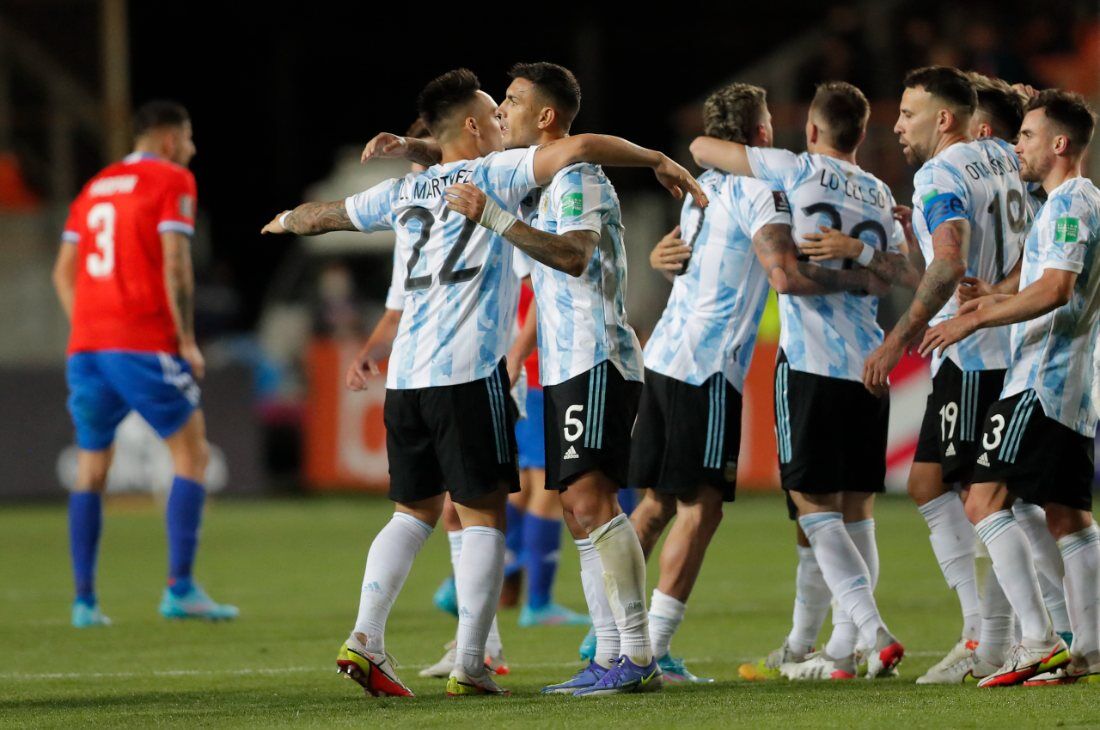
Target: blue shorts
{"x":105,"y":386}
{"x":530,"y":434}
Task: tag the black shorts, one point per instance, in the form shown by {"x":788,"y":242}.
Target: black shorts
{"x":587,"y":422}
{"x":1038,"y":458}
{"x":461,"y":438}
{"x":686,"y":436}
{"x":830,"y":433}
{"x":952,"y":416}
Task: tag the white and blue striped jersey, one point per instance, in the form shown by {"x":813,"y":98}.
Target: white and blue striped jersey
{"x":1053,"y":353}
{"x":582,"y":320}
{"x":984,"y":176}
{"x":710,"y":322}
{"x":460,"y":291}
{"x":831,"y":334}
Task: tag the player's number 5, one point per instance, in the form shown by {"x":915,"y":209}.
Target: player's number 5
{"x":571,"y":422}
{"x":101,"y":220}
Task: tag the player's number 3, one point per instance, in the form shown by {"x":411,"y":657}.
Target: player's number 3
{"x":101,"y":219}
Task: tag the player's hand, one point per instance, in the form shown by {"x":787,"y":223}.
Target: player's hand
{"x":678,"y":180}
{"x":361,"y":369}
{"x":1026,"y":90}
{"x":971,"y":287}
{"x":880,"y":363}
{"x":275,"y":226}
{"x":903,"y":214}
{"x":948,"y":333}
{"x":385,"y":146}
{"x":466,"y":199}
{"x":670,"y":253}
{"x":191,"y":354}
{"x":830,"y":244}
{"x":973,"y":305}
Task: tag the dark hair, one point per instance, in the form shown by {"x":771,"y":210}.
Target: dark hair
{"x":444,"y":94}
{"x":558,"y":84}
{"x":155,"y":114}
{"x":732,"y":112}
{"x":946,"y":83}
{"x":1001,"y":103}
{"x":1069,"y":111}
{"x":844,"y":110}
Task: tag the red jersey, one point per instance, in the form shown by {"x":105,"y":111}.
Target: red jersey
{"x":121,"y":301}
{"x":526,"y":297}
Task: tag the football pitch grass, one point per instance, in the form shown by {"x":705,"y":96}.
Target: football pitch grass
{"x":294,"y":568}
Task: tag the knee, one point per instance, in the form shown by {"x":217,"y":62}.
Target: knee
{"x":195,"y":460}
{"x":1062,"y":521}
{"x":977,"y":508}
{"x":704,"y":517}
{"x":592,"y":509}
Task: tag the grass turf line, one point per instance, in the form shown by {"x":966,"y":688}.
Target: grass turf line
{"x":294,"y":567}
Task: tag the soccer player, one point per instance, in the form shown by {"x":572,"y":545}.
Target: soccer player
{"x":688,"y":435}
{"x":970,"y":216}
{"x":124,"y":278}
{"x":1037,"y":441}
{"x":447,"y":419}
{"x":831,"y":431}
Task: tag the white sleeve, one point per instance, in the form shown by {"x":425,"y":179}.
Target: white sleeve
{"x":507,"y":176}
{"x":774,"y":165}
{"x":762,"y":204}
{"x":372,"y":209}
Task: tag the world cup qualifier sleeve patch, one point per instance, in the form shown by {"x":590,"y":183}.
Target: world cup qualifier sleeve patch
{"x":782,"y":205}
{"x":572,"y":204}
{"x":1066,"y":230}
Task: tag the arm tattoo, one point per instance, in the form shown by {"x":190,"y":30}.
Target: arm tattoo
{"x":310,"y":219}
{"x":834,"y":280}
{"x":180,"y":282}
{"x":568,"y":252}
{"x":938,"y":284}
{"x":422,"y":152}
{"x":893,"y":268}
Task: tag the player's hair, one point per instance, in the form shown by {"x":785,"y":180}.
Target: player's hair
{"x":557,"y":82}
{"x":160,"y":113}
{"x":1001,"y":103}
{"x":948,"y":84}
{"x":733,"y":111}
{"x":444,"y":94}
{"x":844,"y":110}
{"x":418,"y":130}
{"x":1070,"y":112}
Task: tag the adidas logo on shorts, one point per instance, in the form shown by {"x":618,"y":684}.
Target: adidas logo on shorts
{"x":950,"y":450}
{"x":984,"y":459}
{"x":571,"y":454}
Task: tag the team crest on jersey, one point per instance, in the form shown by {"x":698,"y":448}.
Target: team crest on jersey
{"x":187,"y":206}
{"x":782,"y":205}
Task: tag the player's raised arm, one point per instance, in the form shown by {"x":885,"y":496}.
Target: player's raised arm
{"x":1052,"y":290}
{"x":950,"y":241}
{"x":312,"y":219}
{"x":719,"y":154}
{"x":179,"y":285}
{"x":385,"y":145}
{"x":64,"y":277}
{"x":602,"y":149}
{"x":777,"y":254}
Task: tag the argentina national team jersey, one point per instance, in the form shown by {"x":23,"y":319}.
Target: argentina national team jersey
{"x":1053,"y":354}
{"x":832,"y":334}
{"x":709,"y":324}
{"x":582,"y":320}
{"x":984,"y":177}
{"x":460,"y":291}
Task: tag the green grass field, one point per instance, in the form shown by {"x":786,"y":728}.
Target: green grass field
{"x":294,"y":568}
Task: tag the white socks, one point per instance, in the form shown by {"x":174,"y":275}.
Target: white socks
{"x":996,"y":634}
{"x":665,"y":615}
{"x":1081,"y":555}
{"x":493,"y":644}
{"x":952,"y":538}
{"x":1048,"y":560}
{"x":624,"y":577}
{"x":1012,"y":562}
{"x":811,"y":601}
{"x":595,"y":594}
{"x":388,"y":563}
{"x":478,"y":579}
{"x":845,"y":634}
{"x":845,"y":571}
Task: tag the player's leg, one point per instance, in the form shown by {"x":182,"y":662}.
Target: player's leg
{"x":1048,"y":561}
{"x":651,"y":517}
{"x":96,"y":410}
{"x":859,"y":523}
{"x":444,"y":597}
{"x":514,"y":559}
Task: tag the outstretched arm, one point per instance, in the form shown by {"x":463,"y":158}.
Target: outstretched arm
{"x":776,"y":251}
{"x":719,"y":154}
{"x":311,"y":219}
{"x":602,"y":149}
{"x":391,"y":146}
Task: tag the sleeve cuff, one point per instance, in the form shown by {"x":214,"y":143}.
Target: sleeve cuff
{"x":779,"y":218}
{"x":70,"y":237}
{"x":176,"y":227}
{"x":353,"y":214}
{"x":1062,"y":265}
{"x":580,"y":226}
